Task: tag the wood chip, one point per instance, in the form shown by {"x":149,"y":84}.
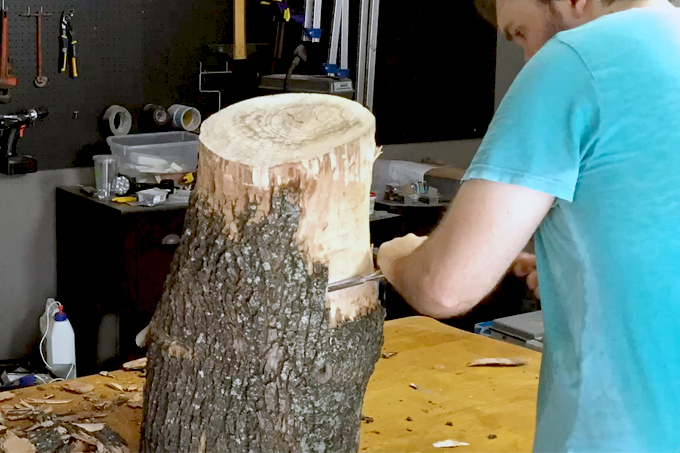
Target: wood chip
{"x":104,"y":405}
{"x":3,"y":428}
{"x":14,"y":444}
{"x":4,"y":396}
{"x":131,"y":388}
{"x":498,"y":362}
{"x":414,"y":386}
{"x":78,"y":387}
{"x":138,"y":364}
{"x":113,"y":385}
{"x":136,"y":402}
{"x":79,"y":447}
{"x":26,"y":405}
{"x":449,"y":444}
{"x":389,"y":355}
{"x":90,"y":427}
{"x":34,"y":401}
{"x":107,"y":374}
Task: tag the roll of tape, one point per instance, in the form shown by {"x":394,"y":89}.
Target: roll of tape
{"x":118,"y":120}
{"x":184,"y":117}
{"x":156,"y":115}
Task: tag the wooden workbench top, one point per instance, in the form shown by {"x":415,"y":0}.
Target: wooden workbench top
{"x":478,"y":402}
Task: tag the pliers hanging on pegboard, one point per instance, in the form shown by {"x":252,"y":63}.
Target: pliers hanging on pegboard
{"x":67,"y":54}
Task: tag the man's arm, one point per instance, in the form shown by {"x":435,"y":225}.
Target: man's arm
{"x":484,"y":231}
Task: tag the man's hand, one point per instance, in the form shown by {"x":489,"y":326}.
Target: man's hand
{"x":525,"y":266}
{"x":397,"y":248}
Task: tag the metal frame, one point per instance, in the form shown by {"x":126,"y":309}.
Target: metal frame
{"x":317,"y":17}
{"x":372,"y":52}
{"x":361,"y":60}
{"x":335,"y":34}
{"x":344,"y":41}
{"x":309,"y":8}
{"x":368,"y":41}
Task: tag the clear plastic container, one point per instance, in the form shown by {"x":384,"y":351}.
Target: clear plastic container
{"x":156,"y":154}
{"x":105,"y":172}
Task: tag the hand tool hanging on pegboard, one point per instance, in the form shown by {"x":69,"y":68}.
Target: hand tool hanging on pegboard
{"x":7,"y":82}
{"x":40,"y":79}
{"x":67,"y":53}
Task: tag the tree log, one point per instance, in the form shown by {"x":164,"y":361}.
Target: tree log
{"x":248,"y":352}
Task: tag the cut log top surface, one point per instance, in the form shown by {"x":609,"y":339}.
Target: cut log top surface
{"x":479,"y":402}
{"x":274,"y":130}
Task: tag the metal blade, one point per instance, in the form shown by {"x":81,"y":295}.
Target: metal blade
{"x":355,"y":281}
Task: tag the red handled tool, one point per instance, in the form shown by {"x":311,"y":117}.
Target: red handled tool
{"x":6,"y":80}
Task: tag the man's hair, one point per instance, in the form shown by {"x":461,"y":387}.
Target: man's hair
{"x":487,"y":8}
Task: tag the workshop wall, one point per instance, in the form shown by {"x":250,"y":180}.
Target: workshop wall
{"x":459,"y":153}
{"x":28,"y":261}
{"x":129,"y":53}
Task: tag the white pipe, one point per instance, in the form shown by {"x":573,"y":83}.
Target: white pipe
{"x":317,"y":17}
{"x":335,"y":36}
{"x":309,"y":15}
{"x":373,"y":49}
{"x":344,"y":46}
{"x":361,"y":59}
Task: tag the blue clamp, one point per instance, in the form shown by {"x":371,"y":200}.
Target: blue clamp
{"x":314,"y":33}
{"x":333,"y":70}
{"x":342,"y":74}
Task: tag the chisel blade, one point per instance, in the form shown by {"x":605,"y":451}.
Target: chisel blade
{"x":355,"y":281}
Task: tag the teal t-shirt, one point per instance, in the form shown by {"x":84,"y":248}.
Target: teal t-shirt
{"x":594,"y":119}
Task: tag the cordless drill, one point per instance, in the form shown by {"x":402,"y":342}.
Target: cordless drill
{"x":12,"y":128}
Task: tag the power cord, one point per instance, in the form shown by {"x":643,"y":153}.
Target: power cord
{"x":300,"y":55}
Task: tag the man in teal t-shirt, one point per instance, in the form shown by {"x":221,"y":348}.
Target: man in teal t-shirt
{"x":584,"y":151}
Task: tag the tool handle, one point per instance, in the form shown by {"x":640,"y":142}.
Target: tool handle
{"x":74,"y":59}
{"x":63,"y":53}
{"x":13,"y":137}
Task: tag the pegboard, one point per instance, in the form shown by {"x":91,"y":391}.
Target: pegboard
{"x":130,"y":52}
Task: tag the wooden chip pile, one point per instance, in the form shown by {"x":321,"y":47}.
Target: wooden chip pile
{"x":55,"y":436}
{"x":52,"y":433}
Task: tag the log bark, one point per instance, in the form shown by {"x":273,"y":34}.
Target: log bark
{"x":248,"y":351}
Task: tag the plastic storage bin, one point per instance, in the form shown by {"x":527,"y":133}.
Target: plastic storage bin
{"x":156,"y":154}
